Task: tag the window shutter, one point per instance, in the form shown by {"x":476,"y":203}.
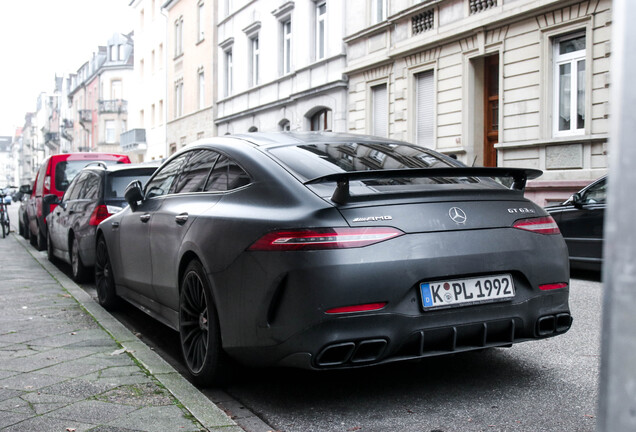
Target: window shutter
{"x":380,"y":110}
{"x":425,"y":109}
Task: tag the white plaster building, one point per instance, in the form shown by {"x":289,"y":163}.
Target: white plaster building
{"x":146,"y":138}
{"x":515,"y":83}
{"x":191,"y":71}
{"x":280,"y":66}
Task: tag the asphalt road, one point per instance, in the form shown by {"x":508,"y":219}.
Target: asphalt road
{"x":549,"y":385}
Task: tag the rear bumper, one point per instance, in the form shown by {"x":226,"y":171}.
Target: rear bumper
{"x":272,"y":305}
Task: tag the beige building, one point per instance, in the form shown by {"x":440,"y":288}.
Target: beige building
{"x":191,"y":68}
{"x":513,"y":83}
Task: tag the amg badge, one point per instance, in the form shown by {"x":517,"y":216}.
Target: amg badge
{"x":373,"y":219}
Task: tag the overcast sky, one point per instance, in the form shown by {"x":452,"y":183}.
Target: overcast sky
{"x":39,"y":38}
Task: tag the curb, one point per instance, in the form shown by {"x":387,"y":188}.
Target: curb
{"x":201,"y":408}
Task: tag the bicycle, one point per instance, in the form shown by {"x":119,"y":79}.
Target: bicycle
{"x":4,"y":215}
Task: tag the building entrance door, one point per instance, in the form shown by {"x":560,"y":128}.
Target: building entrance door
{"x":491,"y":109}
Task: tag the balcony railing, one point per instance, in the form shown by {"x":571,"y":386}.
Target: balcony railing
{"x":113,"y":106}
{"x":133,"y":141}
{"x":85,"y":116}
{"x":52,"y":137}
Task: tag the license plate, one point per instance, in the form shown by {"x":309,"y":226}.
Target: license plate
{"x":462,"y":292}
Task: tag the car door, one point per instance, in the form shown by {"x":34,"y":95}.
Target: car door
{"x":134,"y":234}
{"x":172,"y":220}
{"x":59,"y":219}
{"x":581,"y":223}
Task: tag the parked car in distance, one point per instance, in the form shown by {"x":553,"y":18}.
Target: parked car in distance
{"x":25,"y":192}
{"x":95,"y":193}
{"x":581,"y":219}
{"x":322,"y":251}
{"x":53,"y":177}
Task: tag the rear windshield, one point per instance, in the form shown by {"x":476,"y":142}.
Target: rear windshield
{"x":116,"y":182}
{"x":65,"y":171}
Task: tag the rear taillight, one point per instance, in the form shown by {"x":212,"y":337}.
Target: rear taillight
{"x":47,"y":185}
{"x":99,"y":214}
{"x":540,"y":225}
{"x":323,"y":238}
{"x":553,"y":286}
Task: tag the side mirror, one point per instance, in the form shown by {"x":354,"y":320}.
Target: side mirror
{"x":50,"y":199}
{"x":134,"y":194}
{"x":25,"y":189}
{"x":577,"y":200}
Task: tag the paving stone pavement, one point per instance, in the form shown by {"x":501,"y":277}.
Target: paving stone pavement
{"x":67,"y":365}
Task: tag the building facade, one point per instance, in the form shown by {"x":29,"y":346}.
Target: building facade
{"x":281,"y":66}
{"x":146,"y":138}
{"x":513,"y":83}
{"x":191,"y":68}
{"x":98,"y":96}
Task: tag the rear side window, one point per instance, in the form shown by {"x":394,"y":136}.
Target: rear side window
{"x":196,"y":171}
{"x":65,"y":171}
{"x":90,"y":189}
{"x":226,"y":175}
{"x":75,"y":188}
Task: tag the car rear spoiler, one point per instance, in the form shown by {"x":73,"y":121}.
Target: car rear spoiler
{"x":341,"y":194}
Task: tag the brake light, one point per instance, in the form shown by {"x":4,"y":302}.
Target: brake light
{"x":540,"y":225}
{"x":553,"y":286}
{"x":323,"y":238}
{"x":99,"y":214}
{"x":357,"y":308}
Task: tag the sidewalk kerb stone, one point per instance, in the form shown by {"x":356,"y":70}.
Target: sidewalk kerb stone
{"x":191,"y":398}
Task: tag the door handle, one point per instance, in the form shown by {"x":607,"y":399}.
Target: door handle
{"x":144,"y":217}
{"x":115,"y":224}
{"x":181,"y":218}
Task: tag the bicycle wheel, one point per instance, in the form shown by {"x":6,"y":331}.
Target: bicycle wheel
{"x":5,"y":225}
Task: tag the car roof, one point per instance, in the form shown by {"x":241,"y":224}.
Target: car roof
{"x":120,"y":167}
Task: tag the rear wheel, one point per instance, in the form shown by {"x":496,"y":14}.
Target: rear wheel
{"x":41,"y":240}
{"x":5,"y":224}
{"x":49,"y":249}
{"x":199,"y":330}
{"x":104,"y":278}
{"x":80,"y":273}
{"x":25,"y":228}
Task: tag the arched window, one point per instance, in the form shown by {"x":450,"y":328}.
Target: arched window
{"x":321,"y":120}
{"x":284,"y":125}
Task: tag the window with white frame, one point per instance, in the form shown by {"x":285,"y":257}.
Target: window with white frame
{"x":200,"y":21}
{"x":254,"y":61}
{"x":178,"y":99}
{"x":380,"y":112}
{"x":287,"y":46}
{"x":201,"y":90}
{"x":378,"y":11}
{"x":178,"y":37}
{"x":321,"y":29}
{"x":228,"y":74}
{"x":109,"y":127}
{"x":424,"y":109}
{"x":569,"y":84}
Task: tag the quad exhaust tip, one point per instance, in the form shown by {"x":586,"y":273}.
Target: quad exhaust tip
{"x":352,"y":352}
{"x":551,"y":324}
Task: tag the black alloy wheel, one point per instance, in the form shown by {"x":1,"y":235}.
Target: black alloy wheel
{"x":199,"y":331}
{"x":80,"y":273}
{"x":104,"y":278}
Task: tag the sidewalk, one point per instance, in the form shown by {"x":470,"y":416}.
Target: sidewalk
{"x":67,"y":365}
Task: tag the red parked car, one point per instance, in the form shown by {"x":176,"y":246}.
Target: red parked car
{"x":53,"y":177}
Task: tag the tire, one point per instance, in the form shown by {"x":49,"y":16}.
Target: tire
{"x":21,"y":228}
{"x":41,"y":240}
{"x":4,"y":224}
{"x":104,"y":277}
{"x":32,"y":238}
{"x":79,"y":272}
{"x":25,"y":227}
{"x":199,"y":332}
{"x":49,"y":249}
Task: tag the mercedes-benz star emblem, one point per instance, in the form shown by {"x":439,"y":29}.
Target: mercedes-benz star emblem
{"x":457,"y":215}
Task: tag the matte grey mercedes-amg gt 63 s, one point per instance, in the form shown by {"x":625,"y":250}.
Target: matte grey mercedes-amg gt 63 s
{"x":321,"y":250}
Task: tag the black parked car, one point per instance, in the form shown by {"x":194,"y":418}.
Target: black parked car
{"x":319,"y":250}
{"x":580,"y":220}
{"x":94,"y":194}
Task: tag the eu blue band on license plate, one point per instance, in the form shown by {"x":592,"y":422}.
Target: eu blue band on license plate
{"x":427,"y":298}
